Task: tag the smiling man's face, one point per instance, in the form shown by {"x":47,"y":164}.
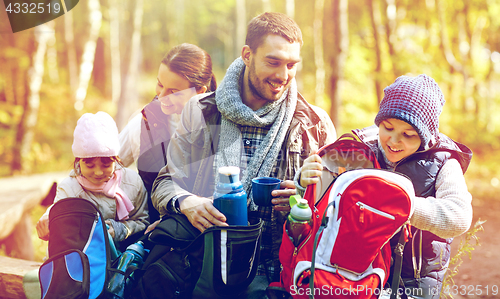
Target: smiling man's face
{"x":270,"y":70}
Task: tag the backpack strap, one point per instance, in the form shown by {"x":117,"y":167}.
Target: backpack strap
{"x":324,"y":224}
{"x":151,"y":137}
{"x":398,"y":263}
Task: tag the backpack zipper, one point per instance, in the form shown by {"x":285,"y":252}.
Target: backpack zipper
{"x":363,"y":206}
{"x":96,"y":219}
{"x":70,"y":214}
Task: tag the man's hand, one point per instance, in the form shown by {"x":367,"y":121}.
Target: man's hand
{"x":201,"y":212}
{"x":42,"y":227}
{"x":281,"y":196}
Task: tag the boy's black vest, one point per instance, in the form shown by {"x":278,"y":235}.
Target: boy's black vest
{"x":423,"y":168}
{"x":155,"y":137}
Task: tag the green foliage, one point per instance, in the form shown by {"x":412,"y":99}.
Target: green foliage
{"x":467,"y":244}
{"x":472,"y":95}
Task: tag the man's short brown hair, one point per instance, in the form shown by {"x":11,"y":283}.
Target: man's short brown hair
{"x":272,"y":23}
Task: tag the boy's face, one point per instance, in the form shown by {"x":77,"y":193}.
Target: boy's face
{"x":398,"y":139}
{"x":97,"y":171}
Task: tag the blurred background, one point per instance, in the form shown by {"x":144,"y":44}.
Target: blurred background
{"x":105,"y":54}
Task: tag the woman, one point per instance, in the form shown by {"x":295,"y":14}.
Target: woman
{"x":186,"y":70}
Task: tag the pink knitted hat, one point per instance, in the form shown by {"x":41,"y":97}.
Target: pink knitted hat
{"x":96,"y":135}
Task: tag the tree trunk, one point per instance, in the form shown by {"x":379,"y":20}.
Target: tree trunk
{"x":26,"y":127}
{"x":445,"y":43}
{"x":114,"y":47}
{"x":52,"y":59}
{"x":319,"y":6}
{"x":241,"y":26}
{"x":133,"y":69}
{"x":88,"y":55}
{"x":70,"y":51}
{"x":266,"y":5}
{"x":337,"y":39}
{"x":290,"y":8}
{"x":375,"y":22}
{"x":179,"y":21}
{"x":390,"y":27}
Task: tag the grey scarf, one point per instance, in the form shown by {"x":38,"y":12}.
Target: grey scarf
{"x":235,"y":114}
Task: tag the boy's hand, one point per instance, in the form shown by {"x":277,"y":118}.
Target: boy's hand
{"x":311,"y":170}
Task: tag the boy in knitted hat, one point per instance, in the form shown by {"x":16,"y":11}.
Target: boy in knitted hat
{"x":406,"y":139}
{"x":99,"y":177}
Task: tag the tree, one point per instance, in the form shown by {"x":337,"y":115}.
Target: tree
{"x":375,"y":22}
{"x":241,"y":26}
{"x":290,"y":8}
{"x":319,"y":6}
{"x":129,"y":87}
{"x":69,"y":39}
{"x":114,"y":45}
{"x":25,"y":128}
{"x":336,"y":39}
{"x":87,"y":64}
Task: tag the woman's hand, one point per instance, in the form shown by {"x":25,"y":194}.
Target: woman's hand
{"x":152,"y":226}
{"x":311,"y":170}
{"x":42,"y":227}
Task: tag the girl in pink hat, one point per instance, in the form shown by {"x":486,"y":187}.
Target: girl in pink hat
{"x":100,"y":177}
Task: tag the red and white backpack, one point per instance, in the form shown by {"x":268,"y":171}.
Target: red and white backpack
{"x":357,"y":208}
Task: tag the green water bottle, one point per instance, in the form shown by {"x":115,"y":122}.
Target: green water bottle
{"x":299,"y":222}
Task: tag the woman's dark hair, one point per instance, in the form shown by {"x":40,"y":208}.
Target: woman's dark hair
{"x":104,"y":160}
{"x":193,"y":63}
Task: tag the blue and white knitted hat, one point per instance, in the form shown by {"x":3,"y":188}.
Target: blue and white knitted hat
{"x":417,"y":101}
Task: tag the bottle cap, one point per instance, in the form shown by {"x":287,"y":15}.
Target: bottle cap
{"x":229,"y":170}
{"x":137,"y":247}
{"x":301,"y":211}
{"x":294,"y":199}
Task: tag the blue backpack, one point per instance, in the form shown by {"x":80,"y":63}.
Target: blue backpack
{"x":79,"y":252}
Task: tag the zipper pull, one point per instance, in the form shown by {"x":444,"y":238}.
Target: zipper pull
{"x":362,"y":213}
{"x":295,"y":251}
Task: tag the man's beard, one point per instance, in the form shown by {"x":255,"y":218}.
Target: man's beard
{"x":256,"y":86}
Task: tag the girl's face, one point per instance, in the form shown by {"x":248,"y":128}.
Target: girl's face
{"x":172,"y":90}
{"x":398,"y":139}
{"x":97,"y":170}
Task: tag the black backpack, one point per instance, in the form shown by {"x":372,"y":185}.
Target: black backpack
{"x":79,"y":252}
{"x":221,"y":262}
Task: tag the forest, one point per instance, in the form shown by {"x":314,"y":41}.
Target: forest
{"x":104,"y":55}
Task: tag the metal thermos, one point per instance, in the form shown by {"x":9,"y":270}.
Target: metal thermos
{"x":230,"y":198}
{"x":299,"y":223}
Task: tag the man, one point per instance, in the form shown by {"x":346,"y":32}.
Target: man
{"x":255,"y":120}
